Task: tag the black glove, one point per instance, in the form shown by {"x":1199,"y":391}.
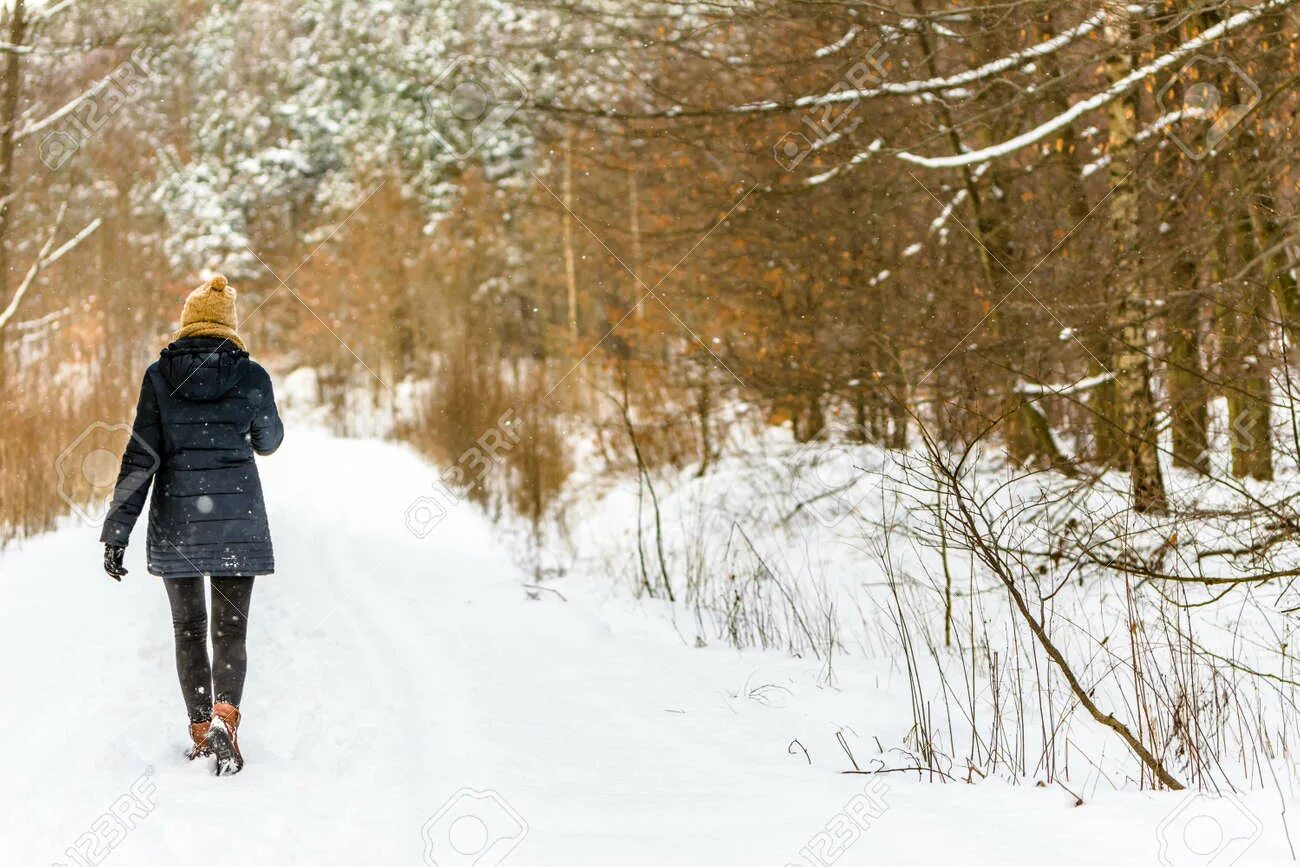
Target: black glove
{"x":113,"y":561}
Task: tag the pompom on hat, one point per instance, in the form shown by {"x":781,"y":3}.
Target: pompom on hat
{"x":210,"y":312}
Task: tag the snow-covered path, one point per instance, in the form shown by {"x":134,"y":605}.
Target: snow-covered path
{"x":389,"y":673}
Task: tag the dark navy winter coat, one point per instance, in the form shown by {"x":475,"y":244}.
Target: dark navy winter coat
{"x":205,"y":407}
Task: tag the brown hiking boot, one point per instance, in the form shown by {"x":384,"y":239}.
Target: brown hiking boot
{"x":223,"y":739}
{"x":199,"y":734}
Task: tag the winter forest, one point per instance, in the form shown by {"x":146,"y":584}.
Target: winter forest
{"x":729,"y":432}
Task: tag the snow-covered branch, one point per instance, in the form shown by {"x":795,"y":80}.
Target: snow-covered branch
{"x":853,"y":162}
{"x":1103,"y":98}
{"x":1159,"y":125}
{"x":939,"y":84}
{"x":838,"y":44}
{"x":54,"y":9}
{"x":47,"y":256}
{"x":1035,"y":389}
{"x":94,"y":90}
{"x":40,"y":323}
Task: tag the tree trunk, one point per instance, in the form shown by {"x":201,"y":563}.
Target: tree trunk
{"x":1135,"y":406}
{"x":570,"y":263}
{"x":1188,"y":389}
{"x":1269,"y":233}
{"x":12,"y":85}
{"x":634,"y":229}
{"x":1107,"y":437}
{"x":1249,"y":388}
{"x":1023,"y":428}
{"x":1281,"y":280}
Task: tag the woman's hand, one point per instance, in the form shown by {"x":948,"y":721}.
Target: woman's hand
{"x":113,"y":561}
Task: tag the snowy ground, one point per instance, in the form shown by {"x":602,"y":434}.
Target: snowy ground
{"x":391,"y":672}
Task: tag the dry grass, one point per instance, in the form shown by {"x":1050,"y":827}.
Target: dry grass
{"x":49,"y":431}
{"x":492,"y":423}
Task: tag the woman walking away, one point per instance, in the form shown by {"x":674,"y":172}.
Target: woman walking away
{"x":205,"y":407}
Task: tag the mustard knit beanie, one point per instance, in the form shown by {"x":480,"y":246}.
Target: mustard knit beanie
{"x":210,"y":312}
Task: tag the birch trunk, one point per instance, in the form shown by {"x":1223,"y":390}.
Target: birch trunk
{"x":570,"y":263}
{"x":1132,"y":364}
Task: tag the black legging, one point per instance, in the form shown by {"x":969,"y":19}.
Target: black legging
{"x":202,"y":682}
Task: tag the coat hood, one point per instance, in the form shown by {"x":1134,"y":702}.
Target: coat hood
{"x":202,"y":368}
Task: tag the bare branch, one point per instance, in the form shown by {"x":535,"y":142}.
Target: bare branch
{"x":44,"y":259}
{"x":1105,"y":97}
